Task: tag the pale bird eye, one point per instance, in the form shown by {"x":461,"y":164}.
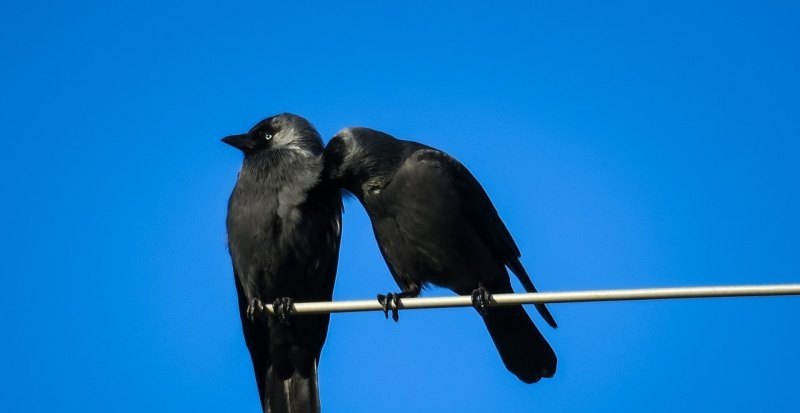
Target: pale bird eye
{"x":267,"y":136}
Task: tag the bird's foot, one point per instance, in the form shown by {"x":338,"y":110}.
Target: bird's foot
{"x":390,"y":301}
{"x":282,"y":308}
{"x":254,"y":309}
{"x":481,"y":298}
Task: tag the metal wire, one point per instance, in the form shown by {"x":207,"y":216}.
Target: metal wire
{"x":558,"y":297}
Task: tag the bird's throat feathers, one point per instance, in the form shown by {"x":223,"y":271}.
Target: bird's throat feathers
{"x":281,"y":166}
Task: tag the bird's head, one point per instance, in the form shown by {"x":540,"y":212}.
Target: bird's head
{"x":280,"y":131}
{"x":358,"y":159}
{"x":337,"y":164}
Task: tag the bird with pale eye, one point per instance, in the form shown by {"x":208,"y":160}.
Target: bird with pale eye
{"x":284,"y":227}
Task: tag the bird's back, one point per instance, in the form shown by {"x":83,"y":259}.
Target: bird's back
{"x":423,"y":231}
{"x":435,"y":224}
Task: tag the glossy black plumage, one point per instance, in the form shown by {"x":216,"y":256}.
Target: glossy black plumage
{"x":284,"y":228}
{"x":435,"y":224}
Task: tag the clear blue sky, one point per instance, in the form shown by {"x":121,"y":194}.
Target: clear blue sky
{"x":625,"y":145}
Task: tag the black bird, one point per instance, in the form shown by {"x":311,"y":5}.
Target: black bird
{"x":435,"y":225}
{"x":284,"y":228}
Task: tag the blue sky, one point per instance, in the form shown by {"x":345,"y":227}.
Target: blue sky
{"x":637,"y":144}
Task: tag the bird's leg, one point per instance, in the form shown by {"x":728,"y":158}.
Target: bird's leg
{"x":383,"y":300}
{"x":392,"y":301}
{"x":481,"y":298}
{"x":254,"y":308}
{"x":282,"y":308}
{"x":386,"y":302}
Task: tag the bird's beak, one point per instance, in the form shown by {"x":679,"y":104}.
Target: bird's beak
{"x":242,"y":142}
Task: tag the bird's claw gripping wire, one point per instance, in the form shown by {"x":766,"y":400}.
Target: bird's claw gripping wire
{"x":254,"y":309}
{"x":390,"y":301}
{"x":282,"y":308}
{"x":481,"y":298}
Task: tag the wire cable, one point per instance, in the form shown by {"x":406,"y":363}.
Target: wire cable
{"x":551,"y":297}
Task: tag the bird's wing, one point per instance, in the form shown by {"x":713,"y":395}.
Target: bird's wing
{"x":482,"y":215}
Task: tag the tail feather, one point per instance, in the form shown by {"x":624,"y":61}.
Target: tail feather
{"x":525,"y":280}
{"x":523,"y":349}
{"x":297,"y":392}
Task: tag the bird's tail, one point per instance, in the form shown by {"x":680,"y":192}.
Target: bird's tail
{"x":525,"y":280}
{"x":296,"y":391}
{"x":524,"y":350}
